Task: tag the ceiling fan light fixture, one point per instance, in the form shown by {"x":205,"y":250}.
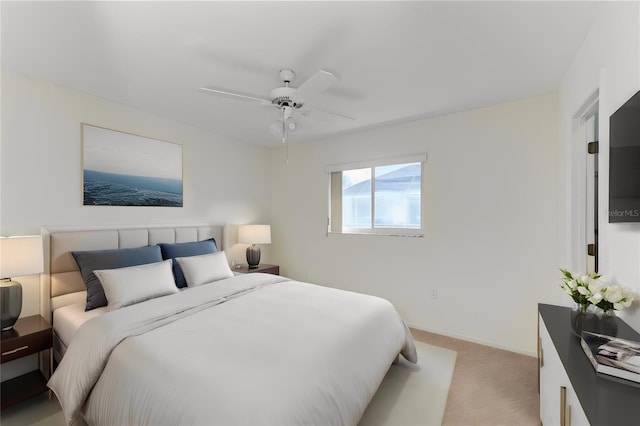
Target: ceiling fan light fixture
{"x":280,"y":128}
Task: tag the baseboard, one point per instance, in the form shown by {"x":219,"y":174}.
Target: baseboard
{"x":472,"y":340}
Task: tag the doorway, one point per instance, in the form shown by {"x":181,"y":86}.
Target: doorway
{"x":591,"y":208}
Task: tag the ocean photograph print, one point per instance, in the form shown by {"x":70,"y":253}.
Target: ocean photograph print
{"x":122,"y":169}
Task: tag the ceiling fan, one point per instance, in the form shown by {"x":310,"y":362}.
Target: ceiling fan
{"x":289,"y":99}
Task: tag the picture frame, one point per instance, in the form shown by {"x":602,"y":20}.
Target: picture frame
{"x":123,"y":169}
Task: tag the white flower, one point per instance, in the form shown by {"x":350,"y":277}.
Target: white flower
{"x":595,"y":298}
{"x":595,"y":284}
{"x":583,"y":291}
{"x":627,"y":297}
{"x":613,"y":294}
{"x":627,"y":302}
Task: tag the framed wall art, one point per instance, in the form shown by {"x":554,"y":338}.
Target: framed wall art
{"x":122,"y":169}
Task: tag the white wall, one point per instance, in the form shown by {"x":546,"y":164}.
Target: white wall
{"x":608,"y":63}
{"x":490,"y":219}
{"x":225,"y":181}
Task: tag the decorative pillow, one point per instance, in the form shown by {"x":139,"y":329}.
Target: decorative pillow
{"x":172,"y":251}
{"x":89,"y":261}
{"x":205,"y":268}
{"x":135,"y":284}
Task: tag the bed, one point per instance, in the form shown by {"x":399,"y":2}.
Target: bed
{"x":230,"y":349}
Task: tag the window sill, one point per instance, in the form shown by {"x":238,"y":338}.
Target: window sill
{"x":380,"y":234}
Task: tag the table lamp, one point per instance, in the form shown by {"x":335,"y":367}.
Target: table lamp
{"x":19,"y":256}
{"x":254,"y":234}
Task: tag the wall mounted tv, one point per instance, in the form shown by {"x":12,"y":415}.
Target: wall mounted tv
{"x":624,"y":162}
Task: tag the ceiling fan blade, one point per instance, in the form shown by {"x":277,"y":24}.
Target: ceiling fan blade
{"x":322,"y":114}
{"x":319,"y":82}
{"x":216,"y":91}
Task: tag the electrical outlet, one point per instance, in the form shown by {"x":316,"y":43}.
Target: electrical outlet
{"x":434,"y":293}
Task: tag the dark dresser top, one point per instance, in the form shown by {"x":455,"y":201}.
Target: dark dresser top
{"x":605,"y":401}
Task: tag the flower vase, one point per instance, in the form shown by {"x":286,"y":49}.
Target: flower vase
{"x":594,"y":320}
{"x":582,"y":319}
{"x":607,"y":322}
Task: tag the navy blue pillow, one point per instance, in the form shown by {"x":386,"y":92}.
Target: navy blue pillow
{"x":195,"y":248}
{"x":89,"y":261}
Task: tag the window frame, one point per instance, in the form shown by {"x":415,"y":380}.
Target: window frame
{"x":334,"y":223}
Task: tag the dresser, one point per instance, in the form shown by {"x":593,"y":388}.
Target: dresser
{"x":571,"y":393}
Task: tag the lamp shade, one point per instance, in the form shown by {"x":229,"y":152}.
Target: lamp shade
{"x":21,"y":256}
{"x":254,"y":234}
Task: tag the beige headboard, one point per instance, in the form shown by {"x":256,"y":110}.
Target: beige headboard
{"x":61,"y":281}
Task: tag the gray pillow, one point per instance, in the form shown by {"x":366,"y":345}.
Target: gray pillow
{"x":91,"y":260}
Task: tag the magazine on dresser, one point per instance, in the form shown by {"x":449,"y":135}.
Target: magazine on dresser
{"x":613,"y":356}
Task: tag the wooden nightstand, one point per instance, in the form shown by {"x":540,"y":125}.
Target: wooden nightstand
{"x":29,"y":335}
{"x":265,"y":268}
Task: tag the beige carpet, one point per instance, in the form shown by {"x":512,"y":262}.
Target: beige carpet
{"x":490,"y":387}
{"x":409,"y":395}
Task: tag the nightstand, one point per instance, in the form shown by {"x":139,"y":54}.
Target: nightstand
{"x":265,"y":268}
{"x":29,"y":335}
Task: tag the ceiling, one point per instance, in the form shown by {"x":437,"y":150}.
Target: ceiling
{"x":396,"y":61}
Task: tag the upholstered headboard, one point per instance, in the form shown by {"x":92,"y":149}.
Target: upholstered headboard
{"x":62,"y":282}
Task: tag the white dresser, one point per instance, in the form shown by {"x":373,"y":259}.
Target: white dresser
{"x":571,"y":393}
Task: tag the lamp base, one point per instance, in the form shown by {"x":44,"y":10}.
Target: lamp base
{"x":10,"y":303}
{"x":253,"y":256}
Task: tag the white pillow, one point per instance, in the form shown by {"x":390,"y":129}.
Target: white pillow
{"x":205,"y":268}
{"x":126,"y":286}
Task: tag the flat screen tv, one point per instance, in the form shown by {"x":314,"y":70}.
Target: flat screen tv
{"x":624,"y":162}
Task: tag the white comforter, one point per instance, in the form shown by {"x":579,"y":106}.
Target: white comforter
{"x":253,"y":349}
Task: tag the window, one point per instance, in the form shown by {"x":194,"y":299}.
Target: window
{"x":383,"y":197}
